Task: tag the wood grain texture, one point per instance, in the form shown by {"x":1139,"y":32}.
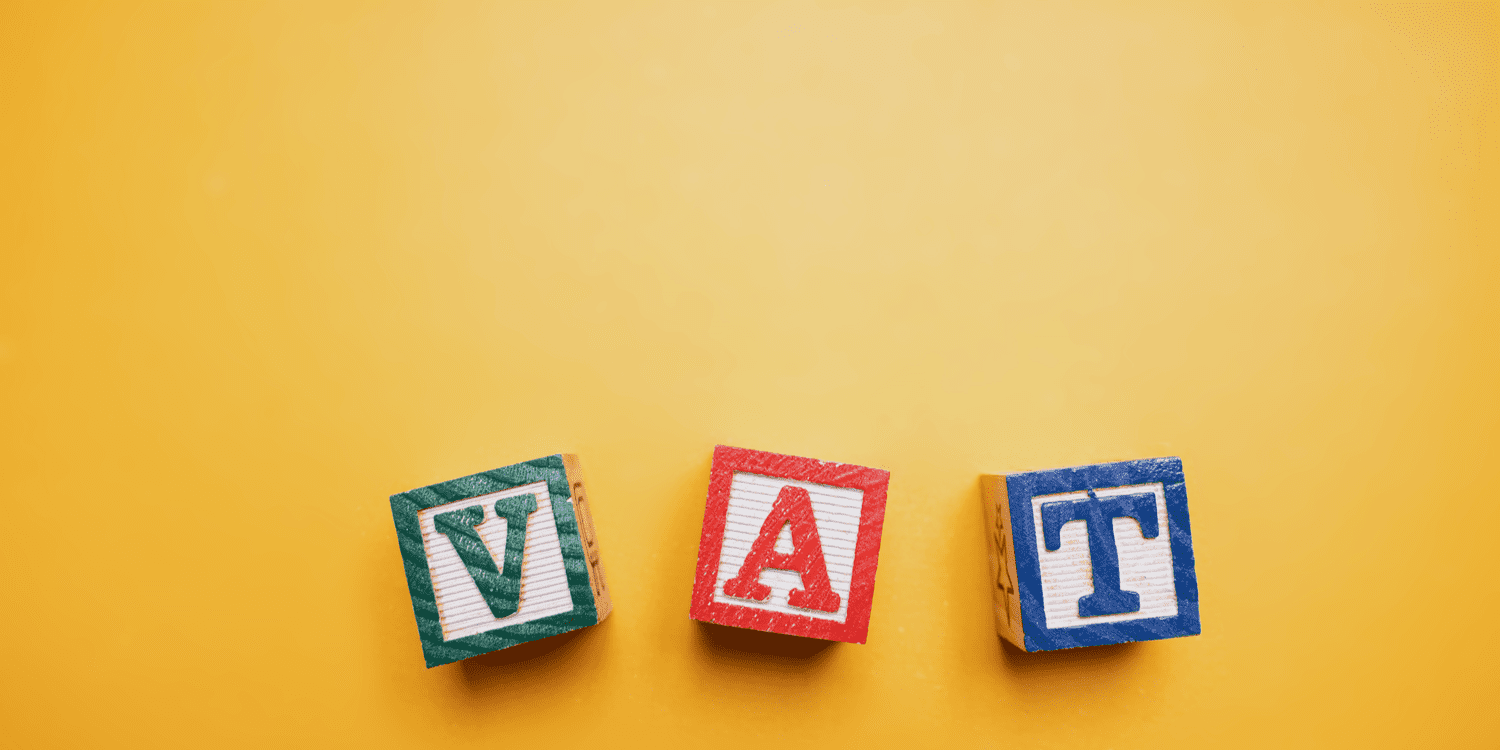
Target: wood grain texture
{"x":603,"y":604}
{"x":994,"y":498}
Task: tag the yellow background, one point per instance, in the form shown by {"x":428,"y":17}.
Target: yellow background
{"x":264,"y":264}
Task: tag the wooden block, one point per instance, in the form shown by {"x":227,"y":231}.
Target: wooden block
{"x":1091,"y":555}
{"x":790,"y":545}
{"x":500,"y":558}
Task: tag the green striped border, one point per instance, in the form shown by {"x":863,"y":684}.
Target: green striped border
{"x":406,"y":505}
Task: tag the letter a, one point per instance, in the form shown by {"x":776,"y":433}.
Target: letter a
{"x":793,"y":506}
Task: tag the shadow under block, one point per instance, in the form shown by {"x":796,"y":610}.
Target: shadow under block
{"x":500,"y":558}
{"x":789,"y":545}
{"x":1091,"y":555}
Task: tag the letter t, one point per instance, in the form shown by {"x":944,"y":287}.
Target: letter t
{"x":1104,"y":557}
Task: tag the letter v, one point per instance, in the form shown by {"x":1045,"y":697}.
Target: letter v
{"x":793,"y":506}
{"x":501,"y":589}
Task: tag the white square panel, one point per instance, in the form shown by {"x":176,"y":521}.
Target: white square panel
{"x":836,"y":511}
{"x":1145,"y":564}
{"x":544,"y":581}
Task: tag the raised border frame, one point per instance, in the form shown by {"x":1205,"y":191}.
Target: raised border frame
{"x":406,"y":505}
{"x":1022,"y":487}
{"x":874,"y":482}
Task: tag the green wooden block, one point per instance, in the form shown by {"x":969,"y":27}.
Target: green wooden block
{"x":500,"y":558}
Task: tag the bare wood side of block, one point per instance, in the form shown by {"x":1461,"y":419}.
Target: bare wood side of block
{"x":581,"y":510}
{"x":996,"y":500}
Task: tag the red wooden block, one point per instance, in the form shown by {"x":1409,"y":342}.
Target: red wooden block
{"x":790,"y":545}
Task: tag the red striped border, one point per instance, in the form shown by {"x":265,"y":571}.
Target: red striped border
{"x":729,"y":460}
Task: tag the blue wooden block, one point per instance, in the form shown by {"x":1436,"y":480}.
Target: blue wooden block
{"x":1091,"y":555}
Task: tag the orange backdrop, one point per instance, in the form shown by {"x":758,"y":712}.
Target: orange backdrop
{"x":264,"y":264}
